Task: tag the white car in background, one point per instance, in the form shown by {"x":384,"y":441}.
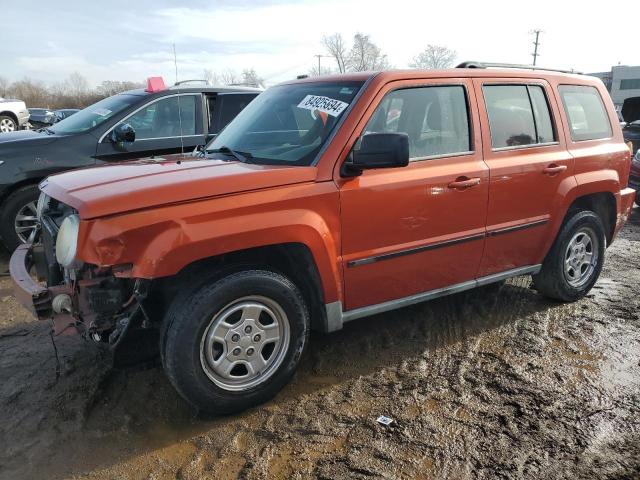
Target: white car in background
{"x":13,"y":115}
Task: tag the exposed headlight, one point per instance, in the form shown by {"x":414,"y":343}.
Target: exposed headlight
{"x":636,"y":158}
{"x":67,"y":241}
{"x":43,"y":202}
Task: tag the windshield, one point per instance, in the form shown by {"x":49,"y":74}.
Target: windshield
{"x":287,"y":124}
{"x":95,"y":114}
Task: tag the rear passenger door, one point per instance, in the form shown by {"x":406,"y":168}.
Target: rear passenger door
{"x":417,"y":228}
{"x":530,"y":170}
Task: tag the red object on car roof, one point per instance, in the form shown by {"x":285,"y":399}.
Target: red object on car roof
{"x":155,"y":84}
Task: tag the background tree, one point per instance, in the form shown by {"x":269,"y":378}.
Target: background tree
{"x":366,"y":55}
{"x":77,"y":86}
{"x":112,"y":87}
{"x":230,"y":77}
{"x":4,"y":85}
{"x":251,"y":79}
{"x":337,"y":48}
{"x":434,"y":56}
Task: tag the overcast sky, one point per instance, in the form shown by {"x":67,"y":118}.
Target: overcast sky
{"x":131,"y":40}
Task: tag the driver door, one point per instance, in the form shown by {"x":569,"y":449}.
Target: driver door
{"x":163,"y":126}
{"x":417,"y":228}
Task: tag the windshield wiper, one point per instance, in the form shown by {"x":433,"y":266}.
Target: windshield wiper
{"x":240,"y":156}
{"x":48,"y":131}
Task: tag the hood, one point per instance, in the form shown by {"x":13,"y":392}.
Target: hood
{"x":114,"y":189}
{"x":27,"y":137}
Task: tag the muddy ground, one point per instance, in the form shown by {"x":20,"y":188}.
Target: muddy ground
{"x":493,"y":383}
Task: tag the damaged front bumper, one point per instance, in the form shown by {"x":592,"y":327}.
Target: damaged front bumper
{"x":40,"y":300}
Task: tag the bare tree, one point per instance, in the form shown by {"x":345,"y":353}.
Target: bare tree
{"x":230,"y":78}
{"x":112,"y":87}
{"x":33,"y":93}
{"x":323,"y":71}
{"x":77,"y":85}
{"x":434,"y":56}
{"x":366,"y":55}
{"x":4,"y":86}
{"x":337,"y":48}
{"x":251,"y":79}
{"x":211,"y":77}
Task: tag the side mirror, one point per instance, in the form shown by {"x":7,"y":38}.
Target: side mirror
{"x":378,"y":150}
{"x":123,"y":133}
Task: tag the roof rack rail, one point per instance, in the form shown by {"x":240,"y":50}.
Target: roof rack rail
{"x":200,"y":80}
{"x":511,"y":65}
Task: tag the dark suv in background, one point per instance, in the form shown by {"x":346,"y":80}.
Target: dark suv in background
{"x":138,"y":123}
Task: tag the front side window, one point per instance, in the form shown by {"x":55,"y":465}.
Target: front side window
{"x":168,"y":117}
{"x":588,"y":119}
{"x":287,"y":124}
{"x":95,"y":114}
{"x":518,"y":115}
{"x":436,"y":119}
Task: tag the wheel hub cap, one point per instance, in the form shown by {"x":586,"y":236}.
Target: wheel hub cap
{"x":7,"y":125}
{"x":581,"y":257}
{"x":245,"y":343}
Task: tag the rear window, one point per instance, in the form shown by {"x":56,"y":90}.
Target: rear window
{"x":518,"y":115}
{"x":588,"y":119}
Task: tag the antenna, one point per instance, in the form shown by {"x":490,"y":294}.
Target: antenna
{"x":175,"y":62}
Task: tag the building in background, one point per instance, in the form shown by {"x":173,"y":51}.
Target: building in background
{"x":622,"y":82}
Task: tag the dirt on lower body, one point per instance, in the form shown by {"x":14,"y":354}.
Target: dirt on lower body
{"x":493,"y":383}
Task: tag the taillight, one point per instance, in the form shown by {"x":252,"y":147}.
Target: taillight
{"x":630,"y":147}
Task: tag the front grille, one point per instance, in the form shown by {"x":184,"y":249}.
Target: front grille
{"x":49,"y":232}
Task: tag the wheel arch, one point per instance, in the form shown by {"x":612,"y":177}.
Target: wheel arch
{"x":27,"y":182}
{"x":9,"y":113}
{"x":293,"y":260}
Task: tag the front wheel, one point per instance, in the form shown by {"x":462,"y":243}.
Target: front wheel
{"x":573,"y":264}
{"x":235,"y":343}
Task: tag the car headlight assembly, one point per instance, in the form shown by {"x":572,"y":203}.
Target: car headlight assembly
{"x":67,"y":241}
{"x":636,"y":158}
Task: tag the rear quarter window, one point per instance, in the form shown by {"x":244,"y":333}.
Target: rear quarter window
{"x":587,"y":116}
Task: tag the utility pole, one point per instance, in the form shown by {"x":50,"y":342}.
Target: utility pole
{"x":319,"y":56}
{"x":536,"y":44}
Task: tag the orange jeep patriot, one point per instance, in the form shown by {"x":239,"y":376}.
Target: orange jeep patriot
{"x":326,"y":200}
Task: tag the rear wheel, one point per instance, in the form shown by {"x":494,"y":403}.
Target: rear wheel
{"x":574,"y":263}
{"x":18,"y":217}
{"x":235,"y":343}
{"x":7,"y":124}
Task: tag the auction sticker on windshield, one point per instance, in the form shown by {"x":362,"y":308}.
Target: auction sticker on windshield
{"x":323,"y":104}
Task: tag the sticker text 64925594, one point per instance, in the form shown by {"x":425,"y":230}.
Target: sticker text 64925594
{"x":323,"y":104}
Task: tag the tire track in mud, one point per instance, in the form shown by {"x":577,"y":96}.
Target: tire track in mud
{"x":492,"y":383}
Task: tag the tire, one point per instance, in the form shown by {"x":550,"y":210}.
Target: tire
{"x":7,"y":124}
{"x":23,"y":200}
{"x":574,"y":282}
{"x":236,"y":310}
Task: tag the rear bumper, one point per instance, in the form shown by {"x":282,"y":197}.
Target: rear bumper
{"x":35,"y":297}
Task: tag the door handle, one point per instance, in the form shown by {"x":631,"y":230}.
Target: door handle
{"x":554,"y":169}
{"x":463,"y":183}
